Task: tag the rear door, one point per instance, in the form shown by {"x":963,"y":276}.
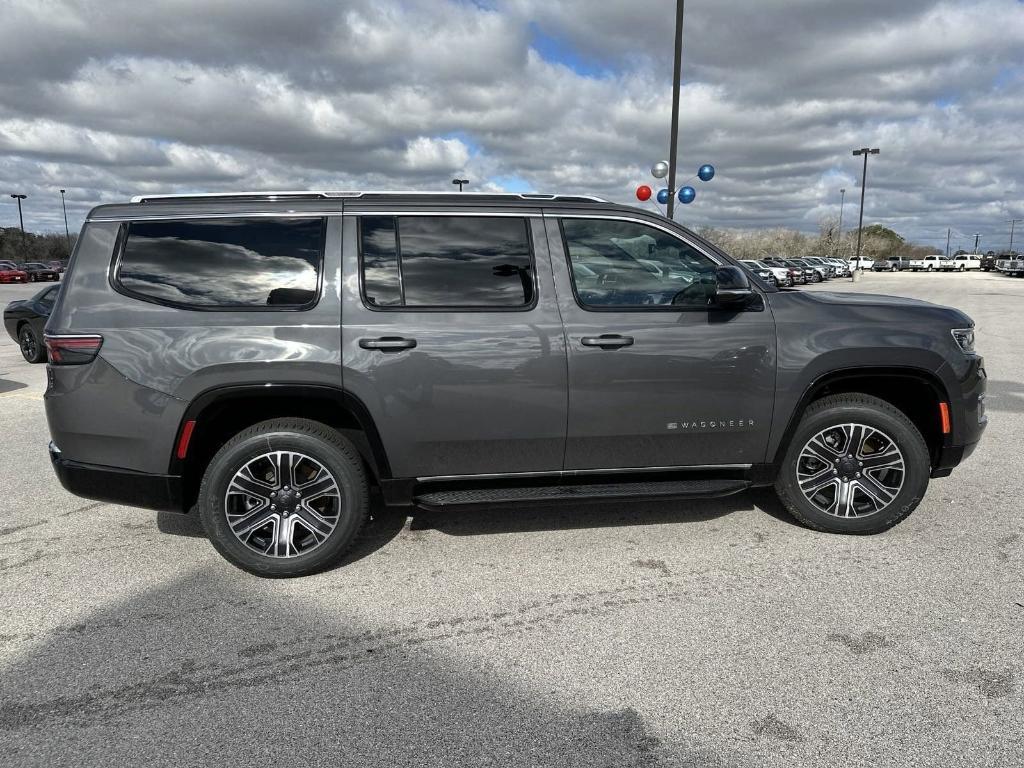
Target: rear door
{"x":657,"y":378}
{"x":452,"y":339}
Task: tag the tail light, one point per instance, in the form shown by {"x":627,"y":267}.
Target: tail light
{"x":72,"y":349}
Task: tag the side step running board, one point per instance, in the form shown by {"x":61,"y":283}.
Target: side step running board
{"x":667,"y":489}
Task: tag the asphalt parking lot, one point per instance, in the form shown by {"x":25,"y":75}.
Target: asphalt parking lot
{"x":714,"y":633}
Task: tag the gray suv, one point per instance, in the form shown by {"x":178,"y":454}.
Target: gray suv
{"x":267,"y":360}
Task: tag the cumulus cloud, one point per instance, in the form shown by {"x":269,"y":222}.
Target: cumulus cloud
{"x":120,"y":98}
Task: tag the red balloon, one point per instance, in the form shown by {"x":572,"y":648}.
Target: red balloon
{"x":643,"y":193}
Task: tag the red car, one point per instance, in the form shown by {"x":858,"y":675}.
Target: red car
{"x":9,"y":273}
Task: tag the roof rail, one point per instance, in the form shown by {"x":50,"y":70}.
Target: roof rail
{"x":322,"y":194}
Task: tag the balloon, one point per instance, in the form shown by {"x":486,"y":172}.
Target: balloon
{"x":663,"y":196}
{"x":659,"y":170}
{"x":706,"y":172}
{"x":643,"y":192}
{"x":686,"y":195}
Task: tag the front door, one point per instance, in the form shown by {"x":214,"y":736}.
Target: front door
{"x":658,"y":375}
{"x":452,"y":340}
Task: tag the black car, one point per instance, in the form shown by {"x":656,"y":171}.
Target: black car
{"x":988,"y":262}
{"x":25,"y":319}
{"x":38,"y":271}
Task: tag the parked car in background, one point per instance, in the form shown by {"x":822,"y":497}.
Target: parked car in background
{"x":9,"y":273}
{"x":818,"y":273}
{"x":760,"y":270}
{"x":1011,"y":265}
{"x":783,"y":275}
{"x":842,"y":266}
{"x":60,"y":266}
{"x":862,"y":263}
{"x":25,"y":319}
{"x":962,"y":263}
{"x":815,"y":261}
{"x":929,"y":263}
{"x":795,"y":273}
{"x":891,"y":264}
{"x":39,"y":272}
{"x":988,"y":262}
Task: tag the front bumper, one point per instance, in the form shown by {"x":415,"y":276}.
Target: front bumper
{"x":968,"y":415}
{"x":118,"y":486}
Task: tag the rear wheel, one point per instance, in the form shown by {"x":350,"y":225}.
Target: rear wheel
{"x":286,"y":497}
{"x":28,"y":342}
{"x":856,"y":464}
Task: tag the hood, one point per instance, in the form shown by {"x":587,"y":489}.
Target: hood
{"x":888,"y":305}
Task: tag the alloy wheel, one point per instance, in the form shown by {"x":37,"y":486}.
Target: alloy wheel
{"x":282,"y":504}
{"x":29,"y":345}
{"x":850,"y":470}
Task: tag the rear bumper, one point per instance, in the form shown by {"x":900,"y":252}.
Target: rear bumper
{"x":118,"y":486}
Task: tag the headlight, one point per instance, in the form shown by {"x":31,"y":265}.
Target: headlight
{"x":964,"y":338}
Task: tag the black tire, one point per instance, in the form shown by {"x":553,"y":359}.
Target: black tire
{"x":335,"y":453}
{"x":870,"y":411}
{"x":31,"y":348}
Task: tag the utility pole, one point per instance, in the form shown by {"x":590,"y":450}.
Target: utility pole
{"x":1012,"y":222}
{"x":947,"y":242}
{"x":863,"y":184}
{"x":977,"y":239}
{"x":842,"y":204}
{"x":67,"y":232}
{"x":674,"y":140}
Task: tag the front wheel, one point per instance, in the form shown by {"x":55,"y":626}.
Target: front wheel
{"x":856,"y":465}
{"x":286,"y":497}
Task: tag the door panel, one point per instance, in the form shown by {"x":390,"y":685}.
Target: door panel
{"x":693,"y":386}
{"x":480,"y":392}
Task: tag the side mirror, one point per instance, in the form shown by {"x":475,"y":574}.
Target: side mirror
{"x":732,"y":288}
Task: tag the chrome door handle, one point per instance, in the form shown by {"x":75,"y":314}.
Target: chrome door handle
{"x":388,"y":343}
{"x":607,"y":341}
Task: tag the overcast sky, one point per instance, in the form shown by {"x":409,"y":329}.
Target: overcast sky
{"x":110,"y":99}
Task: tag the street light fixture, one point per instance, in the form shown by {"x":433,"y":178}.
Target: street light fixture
{"x":863,"y":183}
{"x":460,"y":182}
{"x":67,"y":232}
{"x":21,"y":220}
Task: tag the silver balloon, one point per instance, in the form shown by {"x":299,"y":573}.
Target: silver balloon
{"x":659,"y":170}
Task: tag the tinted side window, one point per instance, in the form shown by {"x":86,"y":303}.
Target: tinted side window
{"x":224,"y":262}
{"x":48,"y":298}
{"x":447,"y":261}
{"x":626,"y":264}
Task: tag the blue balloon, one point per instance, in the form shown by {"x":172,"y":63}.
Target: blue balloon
{"x":706,"y":172}
{"x":663,"y":196}
{"x":686,"y":195}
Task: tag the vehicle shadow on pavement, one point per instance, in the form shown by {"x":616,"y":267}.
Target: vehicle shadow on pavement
{"x":1007,"y":396}
{"x":7,"y":385}
{"x":385,"y":524}
{"x":218,"y":668}
{"x":603,"y":514}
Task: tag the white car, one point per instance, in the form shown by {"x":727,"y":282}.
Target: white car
{"x":929,"y":263}
{"x":861,"y":263}
{"x":781,"y":274}
{"x":962,"y":263}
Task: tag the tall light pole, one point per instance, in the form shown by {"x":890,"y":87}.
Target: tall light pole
{"x":67,"y":232}
{"x":460,"y":182}
{"x":863,"y":183}
{"x":1012,"y":222}
{"x":674,"y":139}
{"x":842,"y":204}
{"x":21,"y":221}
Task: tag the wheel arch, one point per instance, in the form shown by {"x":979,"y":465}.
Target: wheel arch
{"x":914,"y":391}
{"x":222,"y":412}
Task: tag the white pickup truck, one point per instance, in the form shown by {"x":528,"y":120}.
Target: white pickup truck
{"x":962,"y":263}
{"x":932,"y":263}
